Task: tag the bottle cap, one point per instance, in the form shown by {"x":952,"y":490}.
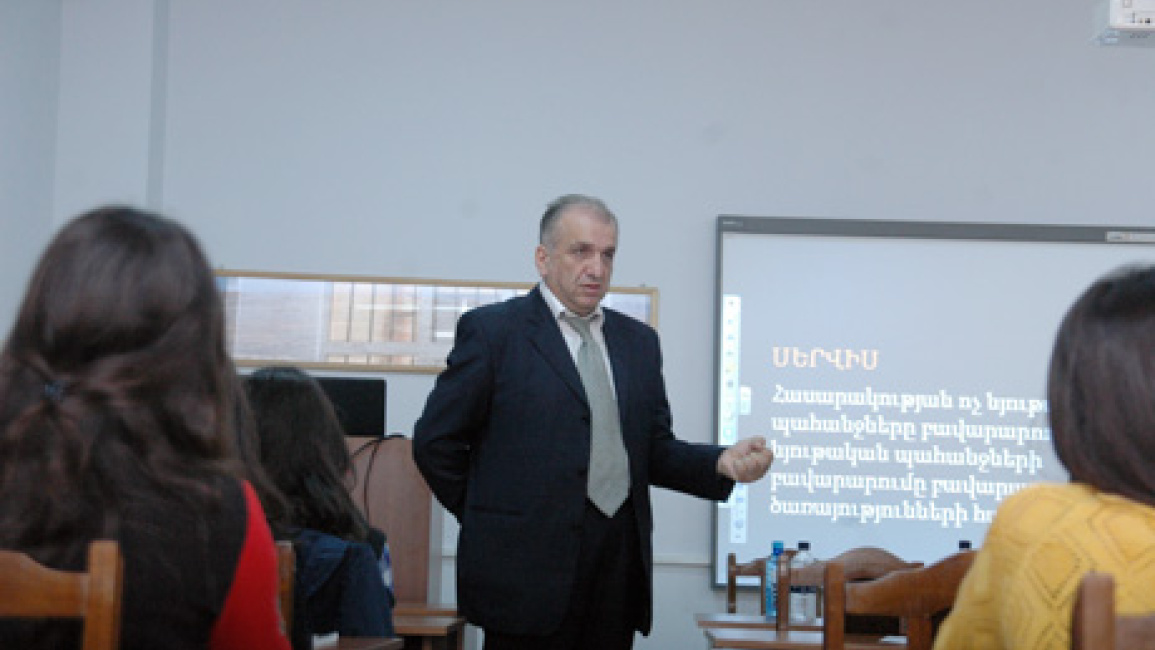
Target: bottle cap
{"x":803,"y":546}
{"x":778,"y":546}
{"x":964,"y":544}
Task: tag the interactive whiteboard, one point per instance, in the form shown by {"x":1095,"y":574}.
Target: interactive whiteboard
{"x":897,"y":369}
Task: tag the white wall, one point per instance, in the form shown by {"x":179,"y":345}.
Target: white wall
{"x":29,"y":60}
{"x":108,"y":148}
{"x":423,"y":139}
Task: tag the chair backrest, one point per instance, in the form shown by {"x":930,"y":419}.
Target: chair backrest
{"x":286,"y":573}
{"x":28,"y":589}
{"x":755,"y":568}
{"x":917,"y":596}
{"x":862,"y":563}
{"x":1096,"y":626}
{"x":394,"y":497}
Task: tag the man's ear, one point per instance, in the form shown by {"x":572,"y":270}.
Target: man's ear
{"x":540,"y":255}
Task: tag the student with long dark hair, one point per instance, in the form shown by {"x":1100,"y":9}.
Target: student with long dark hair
{"x":248,"y":452}
{"x":339,"y":586}
{"x":115,"y":415}
{"x":1045,"y":538}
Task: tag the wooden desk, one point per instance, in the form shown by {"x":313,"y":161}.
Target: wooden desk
{"x":756,"y":639}
{"x":430,"y":632}
{"x":362,"y":643}
{"x":748,"y":621}
{"x":745,"y":621}
{"x":424,"y":609}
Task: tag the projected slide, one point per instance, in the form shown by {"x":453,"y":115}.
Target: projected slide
{"x":898,"y":371}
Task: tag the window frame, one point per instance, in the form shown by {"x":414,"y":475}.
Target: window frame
{"x":420,"y":315}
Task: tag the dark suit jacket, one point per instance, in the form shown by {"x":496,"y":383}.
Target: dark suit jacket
{"x":504,"y":444}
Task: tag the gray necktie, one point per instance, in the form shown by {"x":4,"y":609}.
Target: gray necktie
{"x":609,"y":472}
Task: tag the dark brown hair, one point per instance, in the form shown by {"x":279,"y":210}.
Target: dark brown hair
{"x":303,"y":450}
{"x":1101,"y":386}
{"x":114,"y":383}
{"x":248,"y":452}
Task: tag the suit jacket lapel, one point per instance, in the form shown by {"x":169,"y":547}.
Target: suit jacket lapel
{"x":544,"y":333}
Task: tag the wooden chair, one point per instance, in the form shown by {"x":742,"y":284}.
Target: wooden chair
{"x":862,"y":563}
{"x":286,"y":571}
{"x":917,"y":596}
{"x":28,"y":589}
{"x":1096,"y":626}
{"x":394,"y":497}
{"x":755,"y":568}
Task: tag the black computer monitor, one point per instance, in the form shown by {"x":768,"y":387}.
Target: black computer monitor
{"x":359,"y":402}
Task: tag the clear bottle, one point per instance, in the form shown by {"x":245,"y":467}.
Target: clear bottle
{"x":803,"y":599}
{"x":772,"y":580}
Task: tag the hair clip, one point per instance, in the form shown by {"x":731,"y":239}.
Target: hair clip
{"x":54,"y":390}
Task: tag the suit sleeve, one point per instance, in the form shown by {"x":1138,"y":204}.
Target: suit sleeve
{"x":454,"y":414}
{"x":676,"y":464}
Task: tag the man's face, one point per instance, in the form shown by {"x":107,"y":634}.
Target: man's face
{"x":578,"y":265}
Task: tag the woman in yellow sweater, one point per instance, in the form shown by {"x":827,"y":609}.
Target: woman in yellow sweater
{"x":1101,"y":390}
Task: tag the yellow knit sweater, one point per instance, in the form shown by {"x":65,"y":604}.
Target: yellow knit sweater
{"x":1019,"y":593}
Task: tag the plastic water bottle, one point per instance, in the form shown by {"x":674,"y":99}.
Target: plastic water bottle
{"x":772,"y":580}
{"x":803,"y":600}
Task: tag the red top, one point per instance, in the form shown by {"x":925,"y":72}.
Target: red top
{"x":251,"y":616}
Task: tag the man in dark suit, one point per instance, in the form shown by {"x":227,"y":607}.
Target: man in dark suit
{"x":546,"y":459}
